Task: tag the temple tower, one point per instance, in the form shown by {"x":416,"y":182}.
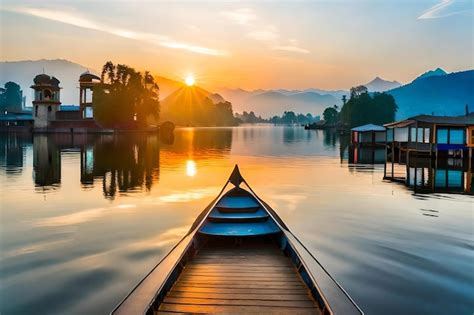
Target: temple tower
{"x":46,"y":100}
{"x":86,"y":90}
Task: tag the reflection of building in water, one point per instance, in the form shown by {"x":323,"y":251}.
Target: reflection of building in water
{"x":119,"y":163}
{"x":122,"y":163}
{"x":46,"y":161}
{"x":426,"y":175}
{"x":12,"y":150}
{"x":366,"y":155}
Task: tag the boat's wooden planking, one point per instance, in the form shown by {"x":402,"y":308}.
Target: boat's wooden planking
{"x":208,"y":284}
{"x":284,"y":281}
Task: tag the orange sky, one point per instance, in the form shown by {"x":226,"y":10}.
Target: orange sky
{"x":331,"y":45}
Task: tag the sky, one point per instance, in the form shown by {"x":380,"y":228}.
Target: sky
{"x":248,"y":44}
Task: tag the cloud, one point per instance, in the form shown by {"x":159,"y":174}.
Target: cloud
{"x":257,"y":29}
{"x":441,"y":10}
{"x":76,"y":20}
{"x":294,"y":49}
{"x":269,"y":33}
{"x":242,"y":16}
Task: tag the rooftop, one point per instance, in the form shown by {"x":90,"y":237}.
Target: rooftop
{"x":368,"y":127}
{"x":448,"y":120}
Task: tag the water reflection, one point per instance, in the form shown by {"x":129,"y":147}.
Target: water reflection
{"x":127,"y":163}
{"x":118,"y":163}
{"x":374,"y":236}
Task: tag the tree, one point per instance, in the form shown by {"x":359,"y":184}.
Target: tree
{"x":330,"y":115}
{"x":12,"y":97}
{"x":126,"y":98}
{"x":362,"y":108}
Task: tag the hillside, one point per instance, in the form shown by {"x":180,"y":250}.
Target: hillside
{"x":190,"y":106}
{"x":23,"y":72}
{"x":440,"y":94}
{"x":167,"y":86}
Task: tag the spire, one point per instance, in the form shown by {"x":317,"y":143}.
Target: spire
{"x":236,"y":178}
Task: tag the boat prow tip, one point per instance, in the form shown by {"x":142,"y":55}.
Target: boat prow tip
{"x":236,"y":178}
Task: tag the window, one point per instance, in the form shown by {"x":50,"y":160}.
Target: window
{"x":390,"y":135}
{"x":427,"y":135}
{"x":456,"y":136}
{"x":442,"y":136}
{"x":413,"y":134}
{"x":47,"y":94}
{"x":36,"y":111}
{"x":420,"y":135}
{"x":49,"y":109}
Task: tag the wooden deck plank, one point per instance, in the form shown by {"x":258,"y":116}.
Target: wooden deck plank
{"x":241,"y":302}
{"x":239,"y":296}
{"x":239,"y":280}
{"x":234,"y":309}
{"x":259,"y":290}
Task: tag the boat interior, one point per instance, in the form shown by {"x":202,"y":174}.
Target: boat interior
{"x":238,"y":266}
{"x":238,"y":257}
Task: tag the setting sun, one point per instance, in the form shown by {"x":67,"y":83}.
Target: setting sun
{"x":189,"y":80}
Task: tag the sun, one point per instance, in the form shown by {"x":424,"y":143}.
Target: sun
{"x":189,"y":80}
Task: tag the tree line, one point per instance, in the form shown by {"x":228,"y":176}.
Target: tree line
{"x":288,"y":117}
{"x":362,"y":108}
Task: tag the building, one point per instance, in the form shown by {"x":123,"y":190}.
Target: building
{"x":46,"y":100}
{"x":425,"y":134}
{"x":431,"y":153}
{"x":50,"y":116}
{"x":369,"y":134}
{"x":86,"y":94}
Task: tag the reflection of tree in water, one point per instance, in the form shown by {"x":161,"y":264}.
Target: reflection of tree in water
{"x":330,"y":137}
{"x":344,"y":142}
{"x":125,"y":163}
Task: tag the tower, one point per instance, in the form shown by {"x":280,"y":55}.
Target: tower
{"x":46,"y":100}
{"x":86,"y":90}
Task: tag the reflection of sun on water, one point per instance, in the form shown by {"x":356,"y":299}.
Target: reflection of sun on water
{"x":191,"y":168}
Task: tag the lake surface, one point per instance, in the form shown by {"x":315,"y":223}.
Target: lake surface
{"x":83,"y":219}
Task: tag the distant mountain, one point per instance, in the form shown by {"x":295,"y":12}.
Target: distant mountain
{"x":432,"y":73}
{"x":275,"y":102}
{"x":167,"y":86}
{"x":439,"y":94}
{"x":186,"y":103}
{"x":380,"y":85}
{"x":23,"y":72}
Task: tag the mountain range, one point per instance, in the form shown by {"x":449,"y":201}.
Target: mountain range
{"x":434,"y":91}
{"x":436,"y":94}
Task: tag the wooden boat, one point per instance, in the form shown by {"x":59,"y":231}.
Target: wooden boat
{"x":238,"y":257}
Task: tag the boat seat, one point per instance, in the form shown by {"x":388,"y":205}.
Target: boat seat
{"x":237,"y":204}
{"x":239,"y":229}
{"x":217,"y":215}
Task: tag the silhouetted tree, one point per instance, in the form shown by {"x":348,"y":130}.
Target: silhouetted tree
{"x":126,"y":98}
{"x":330,"y":115}
{"x":11,"y":97}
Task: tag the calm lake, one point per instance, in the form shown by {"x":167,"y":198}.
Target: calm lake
{"x":83,"y":219}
